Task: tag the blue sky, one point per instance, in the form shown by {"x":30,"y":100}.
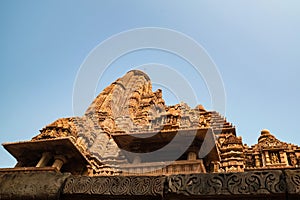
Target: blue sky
{"x":254,"y":44}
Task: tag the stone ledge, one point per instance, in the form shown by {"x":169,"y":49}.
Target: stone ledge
{"x":273,"y":184}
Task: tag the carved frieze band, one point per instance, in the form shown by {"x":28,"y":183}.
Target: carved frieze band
{"x":49,"y":185}
{"x":262,"y":182}
{"x":293,"y":181}
{"x":115,"y":185}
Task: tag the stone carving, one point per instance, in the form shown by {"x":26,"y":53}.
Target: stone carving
{"x":60,"y":128}
{"x":117,"y":185}
{"x":293,"y":181}
{"x":274,"y":158}
{"x":246,"y":183}
{"x":293,"y":160}
{"x":270,"y":152}
{"x":130,"y":99}
{"x":278,"y":184}
{"x":231,"y":152}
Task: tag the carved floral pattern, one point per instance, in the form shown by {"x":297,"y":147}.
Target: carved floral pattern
{"x":293,"y":181}
{"x":117,"y":185}
{"x":46,"y":185}
{"x":232,"y":183}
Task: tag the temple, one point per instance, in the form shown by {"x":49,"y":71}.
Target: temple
{"x":129,"y":144}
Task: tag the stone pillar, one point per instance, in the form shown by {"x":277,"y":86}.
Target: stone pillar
{"x":267,"y":156}
{"x":58,"y":162}
{"x":46,"y":156}
{"x":192,"y":156}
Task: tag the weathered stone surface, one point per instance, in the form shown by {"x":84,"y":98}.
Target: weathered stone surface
{"x":31,"y":185}
{"x":246,"y":183}
{"x":274,"y":184}
{"x":293,"y":181}
{"x":116,"y":186}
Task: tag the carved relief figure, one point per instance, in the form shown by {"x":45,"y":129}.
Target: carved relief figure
{"x":293,"y":160}
{"x":274,"y":158}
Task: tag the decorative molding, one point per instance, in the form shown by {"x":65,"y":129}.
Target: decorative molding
{"x":274,"y":184}
{"x":115,"y":185}
{"x":246,"y":183}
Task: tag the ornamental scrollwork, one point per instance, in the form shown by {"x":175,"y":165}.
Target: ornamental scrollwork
{"x":117,"y":185}
{"x":293,"y":181}
{"x":247,"y":183}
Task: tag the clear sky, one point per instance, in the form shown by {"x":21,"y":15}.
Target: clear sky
{"x":254,"y":44}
